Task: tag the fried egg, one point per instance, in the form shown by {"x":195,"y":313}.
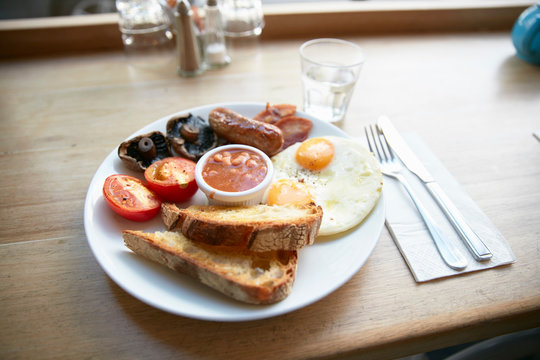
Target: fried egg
{"x":338,"y":174}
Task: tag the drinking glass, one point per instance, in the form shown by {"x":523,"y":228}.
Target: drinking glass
{"x":146,"y":33}
{"x":330,"y":69}
{"x":242,"y":18}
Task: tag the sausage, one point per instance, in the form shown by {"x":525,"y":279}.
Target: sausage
{"x":239,"y":129}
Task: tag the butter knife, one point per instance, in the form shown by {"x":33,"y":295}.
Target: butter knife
{"x":475,"y":245}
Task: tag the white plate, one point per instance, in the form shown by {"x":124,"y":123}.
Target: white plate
{"x":322,"y":267}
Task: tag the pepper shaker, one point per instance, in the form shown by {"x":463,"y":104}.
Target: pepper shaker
{"x":187,"y":45}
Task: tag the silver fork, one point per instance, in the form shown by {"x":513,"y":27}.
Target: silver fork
{"x":391,"y":167}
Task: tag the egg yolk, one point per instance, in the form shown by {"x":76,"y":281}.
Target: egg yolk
{"x":315,"y":153}
{"x":285,"y":192}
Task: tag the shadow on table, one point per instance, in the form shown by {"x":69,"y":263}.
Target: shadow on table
{"x":522,"y":345}
{"x":516,"y":77}
{"x":184,"y":336}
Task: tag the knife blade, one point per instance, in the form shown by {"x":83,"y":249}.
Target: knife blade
{"x":475,"y":245}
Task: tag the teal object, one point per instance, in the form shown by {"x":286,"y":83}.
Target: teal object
{"x":526,"y":35}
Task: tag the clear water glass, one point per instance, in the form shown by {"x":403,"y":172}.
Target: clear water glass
{"x":146,"y":32}
{"x":242,"y":18}
{"x":330,"y":70}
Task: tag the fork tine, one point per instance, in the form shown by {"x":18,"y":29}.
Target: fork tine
{"x":372,"y":143}
{"x":388,"y":153}
{"x":378,"y":143}
{"x":368,"y":140}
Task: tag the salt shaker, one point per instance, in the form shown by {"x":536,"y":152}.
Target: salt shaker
{"x":189,"y":52}
{"x":215,"y":50}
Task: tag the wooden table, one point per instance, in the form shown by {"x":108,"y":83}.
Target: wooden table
{"x":467,"y":96}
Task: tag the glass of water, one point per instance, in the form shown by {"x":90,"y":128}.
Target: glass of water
{"x":146,"y":32}
{"x":242,"y":18}
{"x":330,"y":68}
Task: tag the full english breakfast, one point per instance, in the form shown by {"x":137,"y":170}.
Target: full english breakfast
{"x":313,"y":186}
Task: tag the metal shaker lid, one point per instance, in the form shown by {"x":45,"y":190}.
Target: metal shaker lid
{"x":183,"y":7}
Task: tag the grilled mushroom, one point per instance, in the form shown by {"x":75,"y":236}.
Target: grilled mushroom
{"x":190,"y":136}
{"x":141,"y":151}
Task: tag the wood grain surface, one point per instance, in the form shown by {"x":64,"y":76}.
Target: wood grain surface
{"x":466,"y":95}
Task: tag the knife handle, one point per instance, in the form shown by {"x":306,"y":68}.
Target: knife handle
{"x":449,"y":253}
{"x":477,"y":248}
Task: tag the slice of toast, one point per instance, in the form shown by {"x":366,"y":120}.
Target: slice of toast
{"x":251,"y":277}
{"x":257,"y":228}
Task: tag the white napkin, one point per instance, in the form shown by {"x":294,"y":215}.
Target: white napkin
{"x":410,"y":233}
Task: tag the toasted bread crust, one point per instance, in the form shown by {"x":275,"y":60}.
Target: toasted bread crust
{"x":256,"y":278}
{"x":260,"y":228}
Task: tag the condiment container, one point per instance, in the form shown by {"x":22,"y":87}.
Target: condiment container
{"x":251,"y":196}
{"x":215,"y":50}
{"x":187,"y":44}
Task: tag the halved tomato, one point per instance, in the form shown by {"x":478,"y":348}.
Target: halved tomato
{"x":172,"y":178}
{"x":130,"y":198}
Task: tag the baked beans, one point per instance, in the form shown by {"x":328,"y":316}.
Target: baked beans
{"x":234,"y":170}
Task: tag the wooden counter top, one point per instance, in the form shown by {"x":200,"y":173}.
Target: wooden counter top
{"x":466,"y":95}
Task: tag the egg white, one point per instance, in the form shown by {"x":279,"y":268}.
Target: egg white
{"x":347,"y":189}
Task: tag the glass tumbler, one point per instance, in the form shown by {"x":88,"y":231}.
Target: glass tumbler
{"x":242,"y":18}
{"x":146,"y":32}
{"x":330,"y":69}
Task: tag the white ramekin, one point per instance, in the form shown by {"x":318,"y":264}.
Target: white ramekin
{"x":252,"y":196}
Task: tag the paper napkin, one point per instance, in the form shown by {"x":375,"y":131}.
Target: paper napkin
{"x":410,"y":233}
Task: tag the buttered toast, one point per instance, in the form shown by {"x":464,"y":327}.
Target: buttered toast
{"x":251,"y":277}
{"x":258,"y":228}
